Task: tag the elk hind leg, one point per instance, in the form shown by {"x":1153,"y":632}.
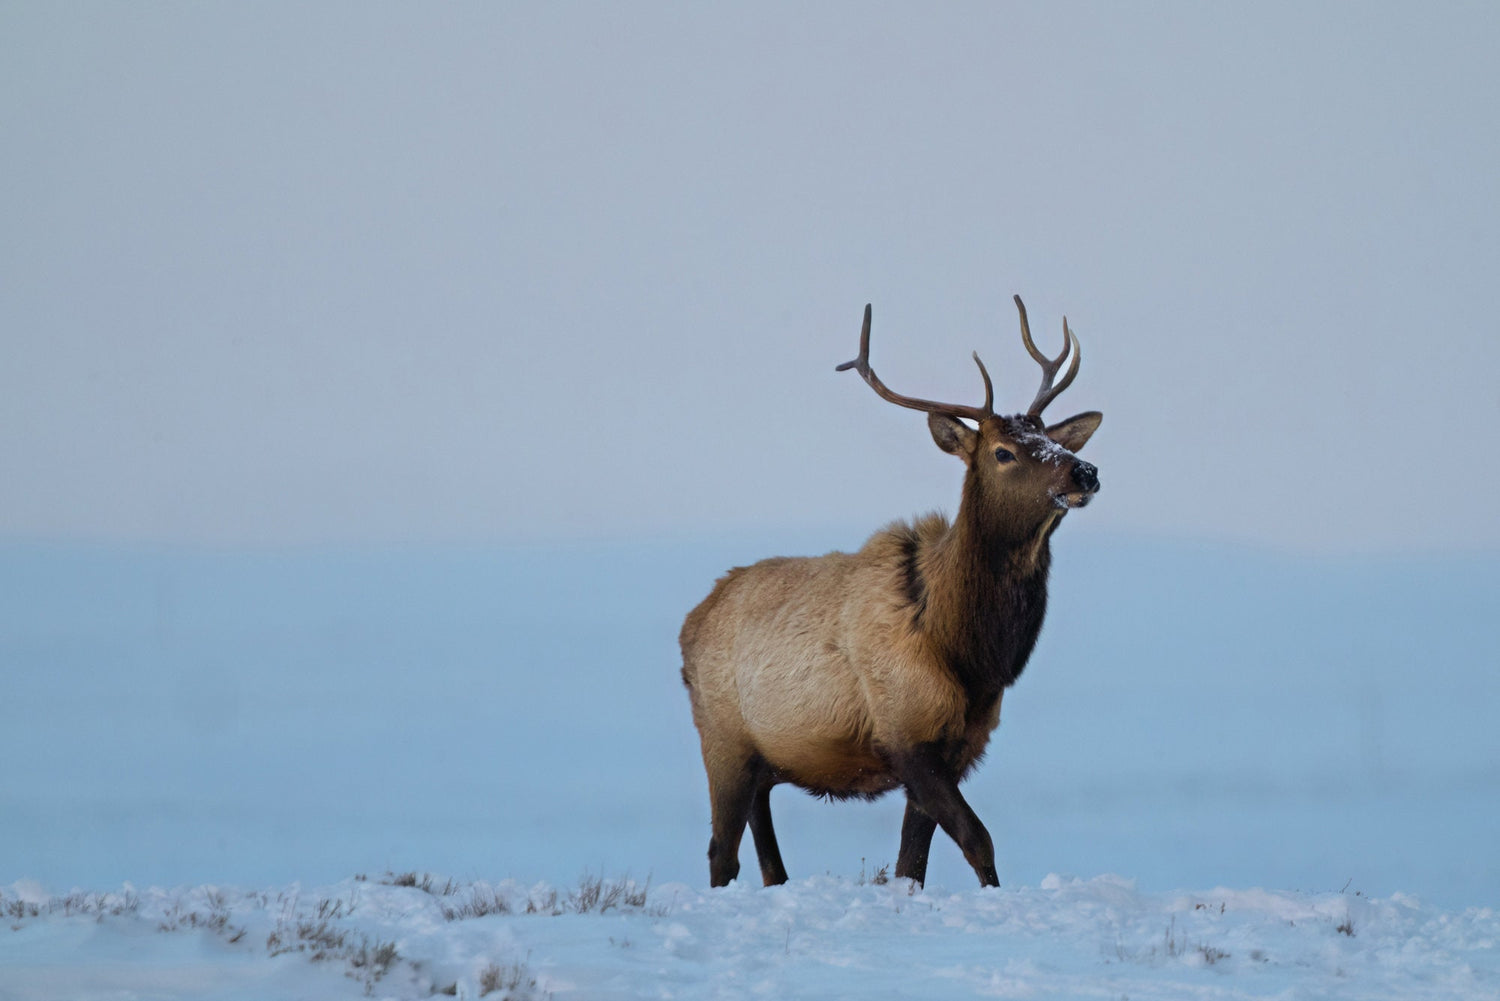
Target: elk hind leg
{"x":731,"y":794}
{"x":772,"y":871}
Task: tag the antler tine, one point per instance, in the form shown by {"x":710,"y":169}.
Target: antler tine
{"x":1047,"y":393}
{"x":1041,"y":359}
{"x":862,"y":363}
{"x":862,"y":366}
{"x":989,"y":389}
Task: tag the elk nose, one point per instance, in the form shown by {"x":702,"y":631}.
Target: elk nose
{"x":1086,"y":475}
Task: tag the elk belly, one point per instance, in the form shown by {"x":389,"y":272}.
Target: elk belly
{"x":810,"y":721}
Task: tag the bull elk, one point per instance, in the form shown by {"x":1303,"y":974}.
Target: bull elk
{"x":850,"y":674}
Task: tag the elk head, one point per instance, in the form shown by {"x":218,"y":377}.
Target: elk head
{"x":1023,"y":474}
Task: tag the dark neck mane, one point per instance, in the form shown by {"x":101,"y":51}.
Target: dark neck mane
{"x":984,"y":597}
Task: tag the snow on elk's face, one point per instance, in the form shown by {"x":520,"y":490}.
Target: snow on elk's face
{"x":1042,"y":460}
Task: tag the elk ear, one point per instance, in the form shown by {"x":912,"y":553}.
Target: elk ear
{"x":952,"y":435}
{"x":1074,"y":432}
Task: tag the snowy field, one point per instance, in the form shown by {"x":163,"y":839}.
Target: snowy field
{"x":205,"y":751}
{"x":822,"y":937}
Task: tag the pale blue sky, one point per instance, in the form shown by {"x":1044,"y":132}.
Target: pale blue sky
{"x":474,"y":273}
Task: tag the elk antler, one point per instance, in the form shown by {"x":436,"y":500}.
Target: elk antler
{"x":1048,"y":393}
{"x":862,"y":366}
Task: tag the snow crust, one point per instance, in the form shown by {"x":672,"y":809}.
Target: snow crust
{"x":824,"y":937}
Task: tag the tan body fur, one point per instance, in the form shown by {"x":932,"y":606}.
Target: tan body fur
{"x":814,"y":663}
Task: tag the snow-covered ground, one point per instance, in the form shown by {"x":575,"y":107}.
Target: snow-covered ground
{"x":822,"y":937}
{"x":1193,"y":718}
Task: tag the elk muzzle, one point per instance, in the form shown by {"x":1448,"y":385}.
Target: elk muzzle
{"x":1086,"y":475}
{"x":1085,"y":483}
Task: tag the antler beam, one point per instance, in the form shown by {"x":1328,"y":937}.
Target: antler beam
{"x":862,"y":366}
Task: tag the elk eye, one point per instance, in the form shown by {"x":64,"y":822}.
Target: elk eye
{"x":1003,"y":455}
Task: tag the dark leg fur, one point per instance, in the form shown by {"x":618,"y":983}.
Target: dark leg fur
{"x":933,"y":786}
{"x":916,"y":839}
{"x":744,"y":795}
{"x":730,"y":799}
{"x":772,"y":872}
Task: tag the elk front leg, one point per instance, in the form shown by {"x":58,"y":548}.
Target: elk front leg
{"x":932,"y":784}
{"x":916,"y":840}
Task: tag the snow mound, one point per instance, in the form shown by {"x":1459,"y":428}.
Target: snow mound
{"x":415,"y":936}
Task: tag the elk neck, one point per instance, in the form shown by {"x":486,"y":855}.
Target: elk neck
{"x":985,"y":591}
